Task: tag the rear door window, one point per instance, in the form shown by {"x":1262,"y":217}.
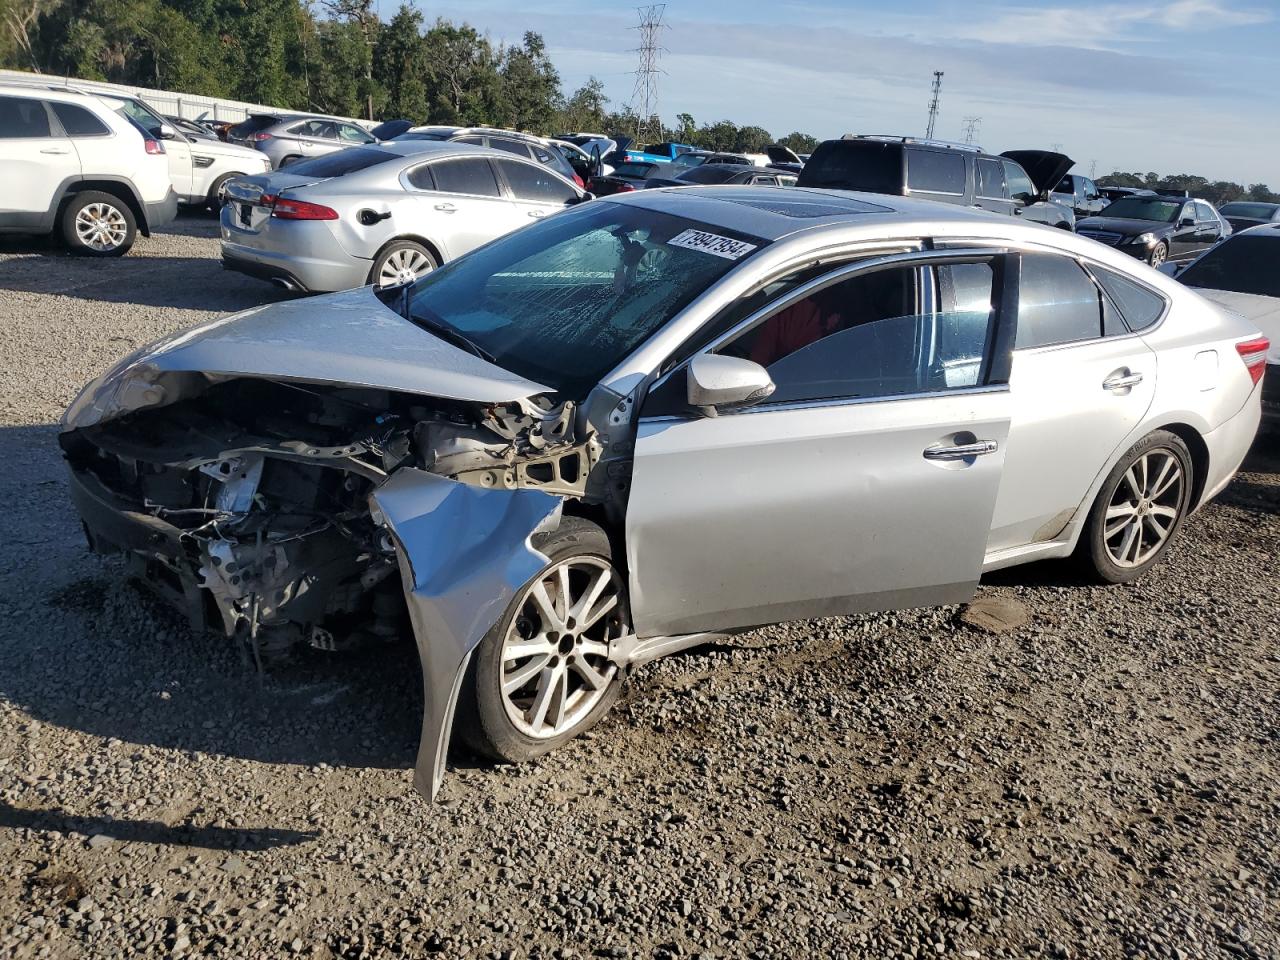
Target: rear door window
{"x":353,"y":134}
{"x":990,"y":184}
{"x":252,"y":125}
{"x":1057,"y":303}
{"x":420,"y":178}
{"x":79,"y":122}
{"x":935,"y":171}
{"x":470,"y":176}
{"x":509,"y":146}
{"x":21,"y":118}
{"x":535,"y":184}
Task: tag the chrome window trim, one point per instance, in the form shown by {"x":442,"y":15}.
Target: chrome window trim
{"x":832,"y":402}
{"x":924,"y":258}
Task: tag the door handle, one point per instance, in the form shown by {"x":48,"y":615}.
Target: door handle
{"x":1121,"y":381}
{"x":961,"y":451}
{"x":57,"y":150}
{"x":446,"y":207}
{"x":537,"y":214}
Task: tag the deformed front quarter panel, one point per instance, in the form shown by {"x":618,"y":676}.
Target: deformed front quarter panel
{"x":464,"y":553}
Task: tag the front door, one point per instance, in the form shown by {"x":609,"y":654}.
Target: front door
{"x":37,"y":159}
{"x":1081,"y":384}
{"x":865,"y":482}
{"x":1185,"y":240}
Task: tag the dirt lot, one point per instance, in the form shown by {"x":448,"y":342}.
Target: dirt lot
{"x":1101,"y":782}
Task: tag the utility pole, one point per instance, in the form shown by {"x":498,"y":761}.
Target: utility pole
{"x":1093,"y":169}
{"x":933,"y":105}
{"x":644,"y":97}
{"x":971,"y":125}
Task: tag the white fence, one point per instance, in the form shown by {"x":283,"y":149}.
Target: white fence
{"x":166,"y":102}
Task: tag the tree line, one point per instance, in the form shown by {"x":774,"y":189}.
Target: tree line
{"x":334,"y":56}
{"x":1216,"y":192}
{"x":339,"y":57}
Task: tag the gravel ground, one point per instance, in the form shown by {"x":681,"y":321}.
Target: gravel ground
{"x":1100,"y":782}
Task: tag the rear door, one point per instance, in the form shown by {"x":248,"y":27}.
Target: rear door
{"x":36,"y":157}
{"x":990,"y":191}
{"x":865,"y":482}
{"x":1081,"y":382}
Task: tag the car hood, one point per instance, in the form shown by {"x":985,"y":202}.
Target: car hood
{"x":1045,"y":168}
{"x":1124,"y":226}
{"x":780,"y":154}
{"x":348,"y":339}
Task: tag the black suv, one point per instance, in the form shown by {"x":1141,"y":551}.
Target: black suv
{"x":1016,"y":183}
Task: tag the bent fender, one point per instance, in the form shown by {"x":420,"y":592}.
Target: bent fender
{"x":464,"y":553}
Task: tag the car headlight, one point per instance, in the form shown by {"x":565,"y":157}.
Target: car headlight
{"x":1145,"y":238}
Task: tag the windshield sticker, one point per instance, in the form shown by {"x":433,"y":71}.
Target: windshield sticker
{"x":712,"y":243}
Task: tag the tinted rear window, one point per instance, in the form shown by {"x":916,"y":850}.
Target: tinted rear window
{"x":20,"y":117}
{"x":1260,"y":211}
{"x":252,"y":125}
{"x":855,"y":165}
{"x":79,"y":122}
{"x":1244,"y":264}
{"x":933,"y":171}
{"x":341,"y":162}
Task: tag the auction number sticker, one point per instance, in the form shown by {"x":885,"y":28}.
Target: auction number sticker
{"x":712,"y":243}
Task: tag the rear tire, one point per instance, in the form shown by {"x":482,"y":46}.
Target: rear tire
{"x":96,"y":224}
{"x":515,"y":706}
{"x":285,"y":161}
{"x":401,"y":261}
{"x":1139,"y":509}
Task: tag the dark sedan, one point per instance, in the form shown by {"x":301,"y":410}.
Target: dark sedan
{"x":1156,"y":228}
{"x":732,"y":173}
{"x":627,"y":176}
{"x":1243,"y":214}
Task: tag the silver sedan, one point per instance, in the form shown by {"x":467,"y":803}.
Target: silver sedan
{"x":655,"y":420}
{"x":383,"y":214}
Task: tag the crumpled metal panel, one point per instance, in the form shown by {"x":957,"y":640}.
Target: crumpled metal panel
{"x":464,"y":554}
{"x":349,"y":338}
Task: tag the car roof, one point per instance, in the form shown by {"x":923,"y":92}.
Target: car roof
{"x":1268,"y":230}
{"x":47,"y":89}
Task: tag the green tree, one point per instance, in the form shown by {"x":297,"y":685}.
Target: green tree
{"x":586,"y":110}
{"x":530,"y":86}
{"x":400,"y":60}
{"x":752,"y":139}
{"x":799,"y":142}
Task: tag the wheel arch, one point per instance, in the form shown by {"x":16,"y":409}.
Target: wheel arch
{"x":1199,"y":457}
{"x":120,"y":189}
{"x":430,"y":247}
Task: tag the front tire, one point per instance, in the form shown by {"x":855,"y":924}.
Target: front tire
{"x":542,"y":675}
{"x":218,"y":192}
{"x":1139,"y":509}
{"x":1159,"y":254}
{"x":96,"y":224}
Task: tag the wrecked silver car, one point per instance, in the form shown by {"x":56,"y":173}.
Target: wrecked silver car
{"x":615,"y":434}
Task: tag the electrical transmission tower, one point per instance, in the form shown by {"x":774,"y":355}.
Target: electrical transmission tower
{"x":933,"y":104}
{"x":971,"y":125}
{"x":644,"y":98}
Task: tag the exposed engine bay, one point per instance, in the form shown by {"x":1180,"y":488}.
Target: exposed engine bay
{"x":248,"y":505}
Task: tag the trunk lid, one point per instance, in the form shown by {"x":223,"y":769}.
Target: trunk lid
{"x":244,"y":196}
{"x":780,"y":154}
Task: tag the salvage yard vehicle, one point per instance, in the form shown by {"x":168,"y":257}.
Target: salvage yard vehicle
{"x":725,"y":173}
{"x":384,"y":214}
{"x":1016,"y":183}
{"x":1156,"y":228}
{"x":288,"y":138}
{"x":654,"y":420}
{"x":75,"y":168}
{"x":1243,"y":214}
{"x":1243,"y":274}
{"x":509,"y":141}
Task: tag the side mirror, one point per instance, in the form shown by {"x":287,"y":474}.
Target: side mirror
{"x":1026,"y":199}
{"x":574,"y":201}
{"x":716,"y":382}
{"x":165,"y":132}
{"x":1186,"y":222}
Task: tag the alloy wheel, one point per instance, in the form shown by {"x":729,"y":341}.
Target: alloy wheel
{"x":403,"y":266}
{"x":555,"y":656}
{"x":101,"y":227}
{"x":1159,"y":255}
{"x":1144,"y":508}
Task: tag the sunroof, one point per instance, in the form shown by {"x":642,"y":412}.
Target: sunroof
{"x":809,"y":209}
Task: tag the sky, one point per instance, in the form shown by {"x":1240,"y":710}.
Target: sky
{"x":1174,"y":86}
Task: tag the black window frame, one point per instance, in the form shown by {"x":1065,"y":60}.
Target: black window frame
{"x":52,"y":106}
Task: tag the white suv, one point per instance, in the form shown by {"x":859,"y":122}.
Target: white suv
{"x":199,"y":169}
{"x":74,"y":167}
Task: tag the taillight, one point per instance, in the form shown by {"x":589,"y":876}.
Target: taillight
{"x":1254,"y":354}
{"x":285,"y":209}
{"x":579,"y":181}
{"x":259,"y":137}
{"x":625,"y":188}
{"x":153,"y":147}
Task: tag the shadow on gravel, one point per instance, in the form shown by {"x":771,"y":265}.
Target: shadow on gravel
{"x":153,"y":831}
{"x":195,"y":282}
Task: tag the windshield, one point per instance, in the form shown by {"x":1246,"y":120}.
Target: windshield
{"x":1256,"y":211}
{"x":690,"y":159}
{"x":564,"y":301}
{"x":1144,"y":208}
{"x":259,"y":121}
{"x":1244,"y":264}
{"x":138,"y":113}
